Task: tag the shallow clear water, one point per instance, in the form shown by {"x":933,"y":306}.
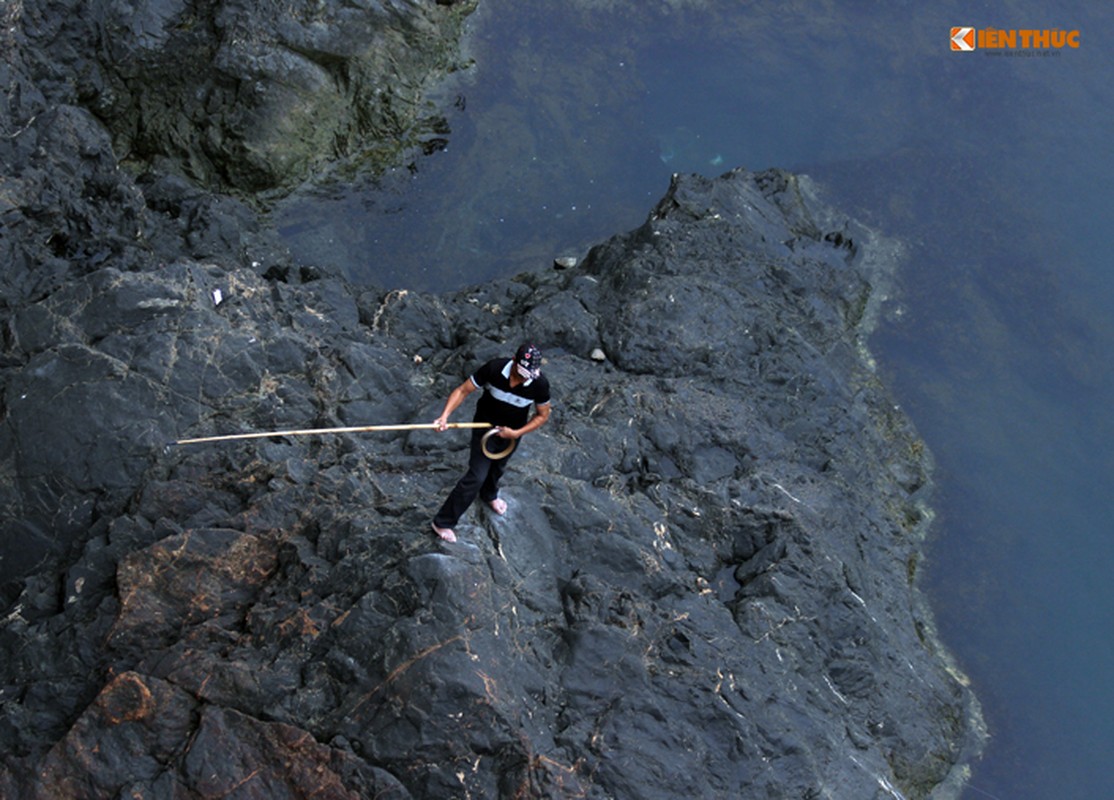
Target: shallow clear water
{"x":995,"y":171}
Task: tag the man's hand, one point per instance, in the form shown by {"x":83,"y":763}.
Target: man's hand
{"x":455,"y":399}
{"x":508,"y":433}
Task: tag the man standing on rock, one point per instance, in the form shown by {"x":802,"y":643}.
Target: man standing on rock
{"x":510,"y":387}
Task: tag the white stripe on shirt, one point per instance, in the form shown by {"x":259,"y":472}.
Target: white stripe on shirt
{"x":510,"y":399}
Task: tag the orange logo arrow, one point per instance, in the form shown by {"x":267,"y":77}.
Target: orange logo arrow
{"x":963,"y":39}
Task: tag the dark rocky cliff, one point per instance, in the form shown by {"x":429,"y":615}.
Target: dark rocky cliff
{"x":705,"y":585}
{"x":246,"y":95}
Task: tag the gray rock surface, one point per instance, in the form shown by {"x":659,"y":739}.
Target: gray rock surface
{"x":247,"y":95}
{"x":705,"y":584}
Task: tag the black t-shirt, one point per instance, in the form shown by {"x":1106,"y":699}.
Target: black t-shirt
{"x":500,"y":404}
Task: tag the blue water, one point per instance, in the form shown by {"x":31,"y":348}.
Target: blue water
{"x":995,"y":171}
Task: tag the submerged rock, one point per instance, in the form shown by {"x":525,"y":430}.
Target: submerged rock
{"x":704,"y":585}
{"x":249,"y":96}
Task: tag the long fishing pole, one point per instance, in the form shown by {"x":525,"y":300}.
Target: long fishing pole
{"x":320,"y":431}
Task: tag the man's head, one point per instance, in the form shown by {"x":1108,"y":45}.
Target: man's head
{"x":528,"y":361}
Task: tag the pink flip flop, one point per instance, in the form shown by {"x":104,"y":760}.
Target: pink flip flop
{"x":445,"y":533}
{"x":498,"y":505}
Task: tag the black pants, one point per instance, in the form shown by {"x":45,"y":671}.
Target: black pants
{"x":482,"y":478}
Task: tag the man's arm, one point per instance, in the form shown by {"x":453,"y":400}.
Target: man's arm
{"x":541,"y":416}
{"x":456,"y":397}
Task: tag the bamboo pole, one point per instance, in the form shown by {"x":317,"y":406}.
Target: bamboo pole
{"x":318,"y":431}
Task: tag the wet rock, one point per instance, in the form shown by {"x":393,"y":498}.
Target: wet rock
{"x":121,"y":743}
{"x":704,"y":584}
{"x":247,"y":95}
{"x":703,"y":570}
